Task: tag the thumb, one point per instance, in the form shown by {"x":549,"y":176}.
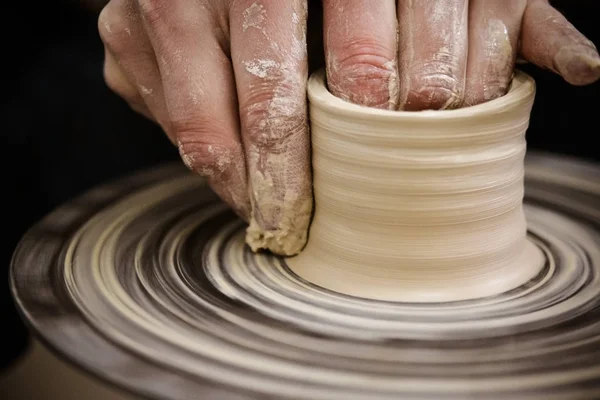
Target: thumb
{"x":552,"y":42}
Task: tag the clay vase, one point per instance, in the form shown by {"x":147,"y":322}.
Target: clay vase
{"x":419,"y":206}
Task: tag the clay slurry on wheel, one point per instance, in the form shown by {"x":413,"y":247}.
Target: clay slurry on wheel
{"x":154,"y":289}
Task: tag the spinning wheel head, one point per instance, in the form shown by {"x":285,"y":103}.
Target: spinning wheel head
{"x":148,"y":283}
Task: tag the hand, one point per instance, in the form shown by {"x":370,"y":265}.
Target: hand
{"x":226,"y":80}
{"x":449,"y":53}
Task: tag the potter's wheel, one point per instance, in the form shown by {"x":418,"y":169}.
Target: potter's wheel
{"x":147,"y":283}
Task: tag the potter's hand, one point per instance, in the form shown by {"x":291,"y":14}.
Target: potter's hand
{"x":226,"y":80}
{"x":451,"y":53}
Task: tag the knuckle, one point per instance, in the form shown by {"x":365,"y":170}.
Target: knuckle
{"x":435,"y":86}
{"x":273,"y":113}
{"x":104,"y":23}
{"x":362,"y":73}
{"x":113,"y":84}
{"x":364,"y":49}
{"x":113,"y":29}
{"x":116,"y":83}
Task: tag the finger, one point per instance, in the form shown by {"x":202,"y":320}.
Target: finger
{"x":433,"y":43}
{"x":199,"y":90}
{"x":118,"y":83}
{"x":268,"y":42}
{"x":550,"y":41}
{"x":361,"y":51}
{"x":494,"y":29}
{"x":121,"y":28}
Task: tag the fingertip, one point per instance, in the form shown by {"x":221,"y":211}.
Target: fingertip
{"x":578,"y":65}
{"x":361,"y":52}
{"x":550,"y":41}
{"x":433,"y":93}
{"x":365,"y":79}
{"x":222,"y":164}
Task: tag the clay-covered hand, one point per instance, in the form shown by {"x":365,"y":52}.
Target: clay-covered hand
{"x":226,"y":80}
{"x":443,"y":54}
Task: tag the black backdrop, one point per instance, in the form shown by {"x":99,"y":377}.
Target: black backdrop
{"x":63,"y":131}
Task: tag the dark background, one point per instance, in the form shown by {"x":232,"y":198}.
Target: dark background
{"x":63,"y":131}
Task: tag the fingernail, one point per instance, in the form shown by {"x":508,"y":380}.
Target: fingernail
{"x":578,"y":65}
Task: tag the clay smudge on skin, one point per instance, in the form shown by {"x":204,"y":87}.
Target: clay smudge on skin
{"x":499,"y":56}
{"x":196,"y":91}
{"x":394,"y":79}
{"x":145,"y":90}
{"x":407,"y":56}
{"x":332,"y":66}
{"x":188,"y":160}
{"x":221,"y":166}
{"x":219,"y":159}
{"x":261,"y":68}
{"x":439,"y":13}
{"x":232,"y":162}
{"x":279,"y":222}
{"x":393,"y":84}
{"x":254,"y":16}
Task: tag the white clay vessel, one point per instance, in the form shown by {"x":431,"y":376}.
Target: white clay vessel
{"x":419,"y":206}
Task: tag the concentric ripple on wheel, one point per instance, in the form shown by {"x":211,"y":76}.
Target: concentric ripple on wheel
{"x":148,"y":284}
